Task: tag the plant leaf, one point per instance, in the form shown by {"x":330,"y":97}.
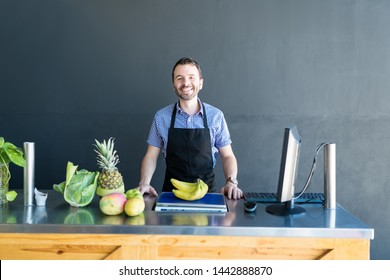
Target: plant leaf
{"x":11,"y":195}
{"x":59,"y":187}
{"x":81,"y":188}
{"x":15,"y":155}
{"x":70,"y":171}
{"x":1,"y":141}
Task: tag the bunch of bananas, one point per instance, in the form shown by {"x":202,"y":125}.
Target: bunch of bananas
{"x":189,"y":191}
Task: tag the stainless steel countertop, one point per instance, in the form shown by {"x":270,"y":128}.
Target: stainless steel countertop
{"x":59,"y":217}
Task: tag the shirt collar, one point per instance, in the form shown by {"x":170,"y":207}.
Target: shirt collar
{"x":180,"y":111}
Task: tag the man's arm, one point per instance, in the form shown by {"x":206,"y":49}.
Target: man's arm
{"x":230,"y":169}
{"x":148,"y":166}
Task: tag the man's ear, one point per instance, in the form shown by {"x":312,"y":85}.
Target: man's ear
{"x":200,"y":84}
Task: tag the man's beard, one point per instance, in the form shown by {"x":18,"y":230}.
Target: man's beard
{"x":185,"y":96}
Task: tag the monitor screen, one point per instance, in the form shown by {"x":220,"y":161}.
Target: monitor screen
{"x":287,"y":175}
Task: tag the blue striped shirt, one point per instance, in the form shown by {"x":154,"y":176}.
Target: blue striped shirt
{"x":219,"y":132}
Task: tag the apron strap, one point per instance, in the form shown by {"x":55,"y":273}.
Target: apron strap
{"x":173,"y":117}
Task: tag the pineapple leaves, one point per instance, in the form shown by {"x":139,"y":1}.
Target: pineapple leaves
{"x":110,"y":179}
{"x":107,"y":158}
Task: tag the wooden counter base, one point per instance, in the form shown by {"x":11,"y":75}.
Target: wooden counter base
{"x":26,"y":246}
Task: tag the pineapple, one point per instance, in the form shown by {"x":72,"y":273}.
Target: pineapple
{"x":109,"y":180}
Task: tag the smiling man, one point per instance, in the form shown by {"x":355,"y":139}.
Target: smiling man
{"x":190,"y":134}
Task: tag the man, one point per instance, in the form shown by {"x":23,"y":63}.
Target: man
{"x":190,"y":134}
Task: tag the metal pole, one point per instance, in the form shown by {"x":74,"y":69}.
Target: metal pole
{"x":29,"y":173}
{"x":330,"y":175}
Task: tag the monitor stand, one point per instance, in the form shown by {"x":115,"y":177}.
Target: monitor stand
{"x":285,"y":209}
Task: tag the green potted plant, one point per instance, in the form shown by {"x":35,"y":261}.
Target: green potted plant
{"x":8,"y":153}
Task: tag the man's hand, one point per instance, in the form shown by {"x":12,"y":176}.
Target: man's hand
{"x":232,"y":191}
{"x":145,"y":188}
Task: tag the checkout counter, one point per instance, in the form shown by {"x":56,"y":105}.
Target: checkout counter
{"x":59,"y":231}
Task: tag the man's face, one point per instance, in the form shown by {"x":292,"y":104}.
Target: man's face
{"x":186,"y":81}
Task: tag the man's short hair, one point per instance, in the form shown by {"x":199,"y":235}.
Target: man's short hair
{"x":186,"y":60}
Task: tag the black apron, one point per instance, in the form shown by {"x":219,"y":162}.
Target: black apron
{"x":189,"y":154}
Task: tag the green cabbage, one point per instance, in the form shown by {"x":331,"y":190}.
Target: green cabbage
{"x":79,"y":216}
{"x":80,"y":186}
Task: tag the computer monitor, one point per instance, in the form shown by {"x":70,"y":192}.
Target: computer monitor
{"x":287,"y":175}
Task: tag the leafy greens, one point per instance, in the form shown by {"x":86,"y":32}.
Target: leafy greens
{"x":79,"y":187}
